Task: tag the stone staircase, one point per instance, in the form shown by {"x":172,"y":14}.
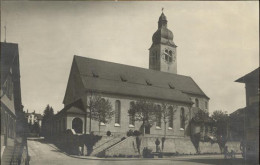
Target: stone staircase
{"x":104,"y":144}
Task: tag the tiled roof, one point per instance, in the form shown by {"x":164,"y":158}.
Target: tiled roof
{"x":107,"y":77}
{"x":252,"y":76}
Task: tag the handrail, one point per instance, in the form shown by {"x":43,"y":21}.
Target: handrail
{"x":115,"y":144}
{"x":105,"y":143}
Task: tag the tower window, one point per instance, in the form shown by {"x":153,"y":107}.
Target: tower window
{"x":168,"y":55}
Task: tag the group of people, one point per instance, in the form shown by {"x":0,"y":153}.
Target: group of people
{"x":232,"y":153}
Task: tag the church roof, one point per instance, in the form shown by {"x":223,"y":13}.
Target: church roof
{"x":128,"y":80}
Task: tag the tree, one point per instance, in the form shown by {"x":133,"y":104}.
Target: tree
{"x":221,"y":122}
{"x":48,"y":115}
{"x":101,"y":110}
{"x":144,"y":111}
{"x":165,"y":111}
{"x":36,"y":128}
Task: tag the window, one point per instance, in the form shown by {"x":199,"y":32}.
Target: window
{"x":197,"y":103}
{"x":168,"y":55}
{"x":206,"y":105}
{"x":158,"y":117}
{"x":182,"y":118}
{"x":170,"y":117}
{"x":131,"y":116}
{"x":117,"y":111}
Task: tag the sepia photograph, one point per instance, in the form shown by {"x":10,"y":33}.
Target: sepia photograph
{"x":129,"y":82}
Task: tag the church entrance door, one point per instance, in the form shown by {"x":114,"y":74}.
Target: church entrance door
{"x":77,"y":125}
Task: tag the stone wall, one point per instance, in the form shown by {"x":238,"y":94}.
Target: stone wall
{"x":171,"y":145}
{"x":207,"y":147}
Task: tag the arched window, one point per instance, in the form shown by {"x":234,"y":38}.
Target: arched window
{"x":170,"y":117}
{"x":182,"y":118}
{"x":131,"y":116}
{"x":197,"y":103}
{"x":158,"y":117}
{"x":117,"y":111}
{"x":77,"y":125}
{"x":170,"y":56}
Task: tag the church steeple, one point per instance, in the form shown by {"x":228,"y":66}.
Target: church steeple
{"x":162,"y":21}
{"x":163,"y":49}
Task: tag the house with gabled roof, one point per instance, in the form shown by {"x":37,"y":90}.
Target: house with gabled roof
{"x":123,"y":84}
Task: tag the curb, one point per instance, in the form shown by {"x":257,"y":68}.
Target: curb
{"x":140,"y":159}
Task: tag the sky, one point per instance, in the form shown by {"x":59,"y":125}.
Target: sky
{"x":218,"y":42}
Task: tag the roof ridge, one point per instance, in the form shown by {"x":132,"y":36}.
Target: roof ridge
{"x":151,"y":70}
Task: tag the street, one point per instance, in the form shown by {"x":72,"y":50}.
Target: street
{"x":43,"y":153}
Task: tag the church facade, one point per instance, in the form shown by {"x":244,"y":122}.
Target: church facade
{"x":124,"y":84}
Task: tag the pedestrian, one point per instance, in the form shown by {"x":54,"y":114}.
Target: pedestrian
{"x":242,"y":147}
{"x":225,"y":152}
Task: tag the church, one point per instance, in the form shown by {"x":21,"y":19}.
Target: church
{"x":124,"y":84}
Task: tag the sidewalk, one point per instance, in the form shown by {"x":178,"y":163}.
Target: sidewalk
{"x":183,"y":157}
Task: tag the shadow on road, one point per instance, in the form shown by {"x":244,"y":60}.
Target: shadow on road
{"x":237,"y":161}
{"x":40,"y":139}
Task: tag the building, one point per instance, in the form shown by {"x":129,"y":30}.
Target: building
{"x":251,"y":114}
{"x":124,"y":84}
{"x":12,"y":127}
{"x":34,"y":118}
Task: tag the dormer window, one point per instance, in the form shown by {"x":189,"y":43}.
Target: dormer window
{"x":123,"y":78}
{"x":94,"y":73}
{"x":148,"y":82}
{"x":171,"y":85}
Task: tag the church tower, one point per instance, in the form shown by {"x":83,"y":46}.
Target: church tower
{"x":162,"y":53}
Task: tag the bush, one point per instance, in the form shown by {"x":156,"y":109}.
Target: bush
{"x":108,"y":133}
{"x":129,"y":133}
{"x":136,"y":133}
{"x":147,"y":153}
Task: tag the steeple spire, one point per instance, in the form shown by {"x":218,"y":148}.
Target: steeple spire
{"x":162,"y":20}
